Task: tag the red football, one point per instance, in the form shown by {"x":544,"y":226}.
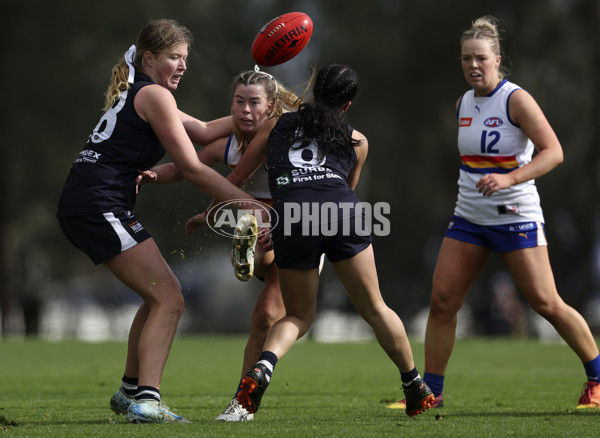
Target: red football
{"x":282,"y":38}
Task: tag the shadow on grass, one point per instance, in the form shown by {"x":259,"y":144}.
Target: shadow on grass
{"x":68,"y":422}
{"x":586,"y":413}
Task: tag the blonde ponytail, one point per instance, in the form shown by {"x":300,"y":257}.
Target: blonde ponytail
{"x":118,"y":83}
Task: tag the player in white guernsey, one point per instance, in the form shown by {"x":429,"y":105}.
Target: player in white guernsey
{"x":490,"y":142}
{"x":498,"y":210}
{"x":256,"y":96}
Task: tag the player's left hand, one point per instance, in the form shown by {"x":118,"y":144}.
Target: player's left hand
{"x":144,"y":177}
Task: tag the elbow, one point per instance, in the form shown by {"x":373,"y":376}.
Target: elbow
{"x":559,"y":157}
{"x":553,"y":156}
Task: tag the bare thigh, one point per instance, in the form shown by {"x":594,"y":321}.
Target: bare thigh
{"x":531,"y":270}
{"x":358,"y":274}
{"x":299,"y":289}
{"x":458,"y":265}
{"x":143,"y":269}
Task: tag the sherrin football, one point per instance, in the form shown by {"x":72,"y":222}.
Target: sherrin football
{"x":282,"y":38}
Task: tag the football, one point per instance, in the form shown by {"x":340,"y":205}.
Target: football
{"x":282,"y":38}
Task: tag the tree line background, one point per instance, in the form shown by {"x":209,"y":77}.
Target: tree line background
{"x":57,"y":59}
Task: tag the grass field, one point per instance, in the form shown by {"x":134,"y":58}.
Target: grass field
{"x":493,"y":388}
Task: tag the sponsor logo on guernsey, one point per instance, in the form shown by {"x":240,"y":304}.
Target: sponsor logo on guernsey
{"x":508,"y":209}
{"x":465,"y":121}
{"x":88,"y":156}
{"x":136,"y":227}
{"x":282,"y":180}
{"x":493,"y":122}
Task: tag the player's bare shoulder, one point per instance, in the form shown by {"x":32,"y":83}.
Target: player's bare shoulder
{"x":362,"y":148}
{"x":153,"y":100}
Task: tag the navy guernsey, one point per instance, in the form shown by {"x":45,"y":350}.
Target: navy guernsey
{"x":103,"y":176}
{"x":297,"y":175}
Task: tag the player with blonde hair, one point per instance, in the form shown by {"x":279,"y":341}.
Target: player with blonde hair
{"x":498,"y":210}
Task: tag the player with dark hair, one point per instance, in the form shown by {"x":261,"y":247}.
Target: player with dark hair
{"x":314,"y":160}
{"x":256,"y":96}
{"x":140,"y":122}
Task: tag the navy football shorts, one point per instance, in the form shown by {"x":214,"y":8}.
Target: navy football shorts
{"x":304,"y":252}
{"x":104,"y":235}
{"x":499,"y":238}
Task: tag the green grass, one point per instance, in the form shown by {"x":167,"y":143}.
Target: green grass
{"x":493,"y":388}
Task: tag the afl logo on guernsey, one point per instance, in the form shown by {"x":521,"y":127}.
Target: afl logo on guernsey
{"x":493,"y":122}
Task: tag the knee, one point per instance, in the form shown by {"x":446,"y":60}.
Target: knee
{"x":304,"y":322}
{"x":374,"y":311}
{"x":266,"y":314}
{"x":173,"y":302}
{"x":546,"y":308}
{"x":179,"y":305}
{"x":444,"y":303}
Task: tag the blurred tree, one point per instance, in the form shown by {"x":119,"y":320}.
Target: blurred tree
{"x":406,"y":54}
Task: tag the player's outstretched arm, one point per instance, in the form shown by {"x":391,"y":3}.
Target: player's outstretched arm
{"x":204,"y":133}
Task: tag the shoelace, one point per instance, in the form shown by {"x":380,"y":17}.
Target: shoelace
{"x":586,"y":393}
